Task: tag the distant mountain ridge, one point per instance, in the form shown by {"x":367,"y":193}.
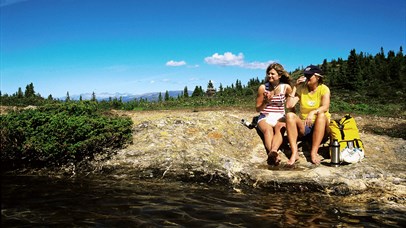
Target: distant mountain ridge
{"x":126,"y":96}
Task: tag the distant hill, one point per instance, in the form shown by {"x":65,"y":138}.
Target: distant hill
{"x":126,"y":96}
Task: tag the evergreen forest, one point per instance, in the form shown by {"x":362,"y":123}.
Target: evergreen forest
{"x":362,"y":83}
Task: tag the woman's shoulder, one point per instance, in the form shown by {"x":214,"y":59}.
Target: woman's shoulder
{"x":286,"y":84}
{"x":324,"y":88}
{"x":286,"y":87}
{"x":261,"y":88}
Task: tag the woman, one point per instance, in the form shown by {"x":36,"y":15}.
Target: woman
{"x":314,"y":116}
{"x":270,"y":103}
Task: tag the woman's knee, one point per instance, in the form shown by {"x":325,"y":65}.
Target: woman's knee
{"x":321,"y":116}
{"x":321,"y":119}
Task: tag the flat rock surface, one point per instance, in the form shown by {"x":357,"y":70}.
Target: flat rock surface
{"x":213,"y":144}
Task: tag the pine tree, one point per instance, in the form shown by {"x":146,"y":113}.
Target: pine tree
{"x":160,"y":97}
{"x":195,"y":92}
{"x":324,"y":67}
{"x":67,"y":99}
{"x":221,"y":90}
{"x":167,"y":96}
{"x":29,"y":90}
{"x":353,"y":77}
{"x":93,"y":96}
{"x":20,"y":93}
{"x":210,"y":89}
{"x":201,"y":91}
{"x":402,"y":70}
{"x":185,"y":92}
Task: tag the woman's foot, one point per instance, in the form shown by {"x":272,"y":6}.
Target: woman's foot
{"x":315,"y":159}
{"x":273,"y":158}
{"x":293,"y":158}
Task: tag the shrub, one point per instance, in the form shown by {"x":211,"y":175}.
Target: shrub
{"x":56,"y":134}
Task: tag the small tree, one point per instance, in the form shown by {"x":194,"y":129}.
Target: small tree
{"x":93,"y":96}
{"x":29,"y":90}
{"x":167,"y":96}
{"x":20,"y":93}
{"x":198,"y":92}
{"x":160,"y":97}
{"x":185,"y":92}
{"x":67,"y":99}
{"x":210,"y":89}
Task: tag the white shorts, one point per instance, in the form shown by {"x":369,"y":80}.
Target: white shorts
{"x":272,"y":118}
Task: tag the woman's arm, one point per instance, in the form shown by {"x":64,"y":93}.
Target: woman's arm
{"x":292,"y":97}
{"x":261,"y":99}
{"x":325,"y":103}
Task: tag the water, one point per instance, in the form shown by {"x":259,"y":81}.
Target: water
{"x":106,"y":201}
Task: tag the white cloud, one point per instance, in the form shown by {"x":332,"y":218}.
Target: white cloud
{"x":175,"y":63}
{"x":229,"y":59}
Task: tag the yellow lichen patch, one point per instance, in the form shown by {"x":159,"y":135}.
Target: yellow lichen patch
{"x":164,"y":134}
{"x":215,"y":135}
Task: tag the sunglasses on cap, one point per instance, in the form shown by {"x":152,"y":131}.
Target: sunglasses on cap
{"x":308,"y":76}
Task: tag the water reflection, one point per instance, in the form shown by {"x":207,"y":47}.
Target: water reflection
{"x":111,"y":202}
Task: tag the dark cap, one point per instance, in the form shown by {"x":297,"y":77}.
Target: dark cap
{"x":312,"y":69}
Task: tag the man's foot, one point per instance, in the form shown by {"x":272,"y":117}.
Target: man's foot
{"x":273,"y":158}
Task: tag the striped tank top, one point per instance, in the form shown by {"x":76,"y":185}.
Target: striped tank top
{"x":277,"y":102}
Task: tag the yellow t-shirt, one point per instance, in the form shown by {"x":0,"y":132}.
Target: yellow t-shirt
{"x":310,"y":102}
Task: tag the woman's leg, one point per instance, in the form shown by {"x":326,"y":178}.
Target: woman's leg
{"x":277,"y":140}
{"x":319,"y":131}
{"x":294,"y":126}
{"x":268,"y":132}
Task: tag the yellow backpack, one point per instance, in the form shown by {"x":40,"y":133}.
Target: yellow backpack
{"x":346,"y":132}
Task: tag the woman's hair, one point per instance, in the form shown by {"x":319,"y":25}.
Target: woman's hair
{"x":320,"y":79}
{"x":285,"y":77}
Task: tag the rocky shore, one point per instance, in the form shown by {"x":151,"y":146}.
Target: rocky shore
{"x":212,"y":145}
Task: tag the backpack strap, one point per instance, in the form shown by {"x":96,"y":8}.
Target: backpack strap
{"x":357,"y":143}
{"x":341,"y":127}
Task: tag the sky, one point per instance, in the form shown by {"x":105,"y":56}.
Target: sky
{"x":143,"y":46}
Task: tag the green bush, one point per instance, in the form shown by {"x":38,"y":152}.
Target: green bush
{"x":54,"y":135}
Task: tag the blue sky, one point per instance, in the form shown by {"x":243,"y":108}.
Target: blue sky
{"x":141,"y":46}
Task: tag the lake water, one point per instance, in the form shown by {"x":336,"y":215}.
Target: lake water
{"x":107,"y":201}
